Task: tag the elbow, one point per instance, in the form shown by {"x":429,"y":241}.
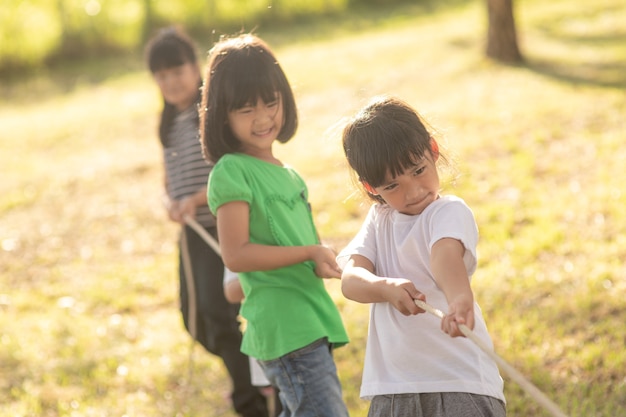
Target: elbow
{"x":238,"y":264}
{"x":347,"y":287}
{"x":233,"y":264}
{"x":237,"y":259}
{"x":233,"y":261}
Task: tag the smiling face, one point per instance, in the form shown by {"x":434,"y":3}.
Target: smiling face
{"x":412,"y":190}
{"x":257,"y":125}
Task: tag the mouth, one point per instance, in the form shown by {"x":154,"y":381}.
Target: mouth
{"x":264,"y":132}
{"x":417,"y":204}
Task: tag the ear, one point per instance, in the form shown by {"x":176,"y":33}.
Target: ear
{"x":368,"y":187}
{"x":434,"y":149}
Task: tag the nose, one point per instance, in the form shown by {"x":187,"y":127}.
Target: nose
{"x":264,"y":112}
{"x":414,"y":190}
{"x":270,"y":111}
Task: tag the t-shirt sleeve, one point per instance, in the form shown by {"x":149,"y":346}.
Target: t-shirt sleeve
{"x":455,"y":220}
{"x":227,"y":182}
{"x":364,"y":243}
{"x":230,"y":276}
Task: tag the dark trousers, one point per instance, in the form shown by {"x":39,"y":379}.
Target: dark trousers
{"x":216,"y":324}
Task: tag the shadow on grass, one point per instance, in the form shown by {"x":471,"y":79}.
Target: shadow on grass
{"x":599,"y":74}
{"x":580,"y":35}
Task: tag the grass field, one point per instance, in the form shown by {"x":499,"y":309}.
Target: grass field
{"x":89,"y":321}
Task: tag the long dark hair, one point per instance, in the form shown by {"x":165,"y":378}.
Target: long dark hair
{"x":170,"y":47}
{"x":240,"y":71}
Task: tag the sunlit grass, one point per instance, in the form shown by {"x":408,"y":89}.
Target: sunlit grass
{"x":88,"y":287}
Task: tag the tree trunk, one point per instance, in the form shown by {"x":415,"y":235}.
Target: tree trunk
{"x":148,"y":22}
{"x":501,"y":35}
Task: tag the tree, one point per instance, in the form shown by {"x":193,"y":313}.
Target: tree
{"x":501,"y":35}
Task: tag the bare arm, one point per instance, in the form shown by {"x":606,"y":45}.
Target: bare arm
{"x":446,"y":260}
{"x":360,"y":283}
{"x":240,"y":255}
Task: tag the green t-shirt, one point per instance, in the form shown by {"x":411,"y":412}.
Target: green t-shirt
{"x":286,"y":308}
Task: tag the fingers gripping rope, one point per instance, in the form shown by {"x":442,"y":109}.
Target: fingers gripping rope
{"x":513,"y":373}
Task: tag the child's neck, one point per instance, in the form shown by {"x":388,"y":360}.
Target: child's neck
{"x":267,"y":156}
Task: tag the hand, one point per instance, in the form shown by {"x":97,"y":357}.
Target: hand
{"x":460,"y":311}
{"x":401,"y":293}
{"x":173,"y":209}
{"x":187,"y":207}
{"x":325,"y":263}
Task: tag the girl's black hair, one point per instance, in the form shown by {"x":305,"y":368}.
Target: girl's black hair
{"x":386,"y":136}
{"x":241,"y":70}
{"x":170,"y":47}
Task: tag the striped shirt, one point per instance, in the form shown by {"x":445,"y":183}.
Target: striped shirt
{"x":185,"y":168}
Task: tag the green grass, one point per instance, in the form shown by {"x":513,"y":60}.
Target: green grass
{"x":88,"y":289}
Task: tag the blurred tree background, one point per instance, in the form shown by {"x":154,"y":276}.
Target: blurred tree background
{"x":41,"y":33}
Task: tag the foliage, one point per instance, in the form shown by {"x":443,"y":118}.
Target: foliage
{"x":88,"y":309}
{"x":40,"y":33}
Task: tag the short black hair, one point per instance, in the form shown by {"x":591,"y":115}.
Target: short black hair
{"x":385,"y":136}
{"x":170,"y":47}
{"x":241,"y":70}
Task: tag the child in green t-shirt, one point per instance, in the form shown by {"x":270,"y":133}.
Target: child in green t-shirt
{"x":266,"y":228}
{"x":172,"y":61}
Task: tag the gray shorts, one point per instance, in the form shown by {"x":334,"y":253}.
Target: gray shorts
{"x":438,"y":404}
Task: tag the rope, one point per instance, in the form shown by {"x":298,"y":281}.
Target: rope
{"x":191,"y":287}
{"x":191,"y":302}
{"x":513,"y":373}
{"x":210,"y":240}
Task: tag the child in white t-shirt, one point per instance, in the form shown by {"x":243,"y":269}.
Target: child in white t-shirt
{"x":414,"y":244}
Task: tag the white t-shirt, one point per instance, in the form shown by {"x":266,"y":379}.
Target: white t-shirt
{"x":412,"y":354}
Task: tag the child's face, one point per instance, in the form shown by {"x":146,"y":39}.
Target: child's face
{"x":257,"y":125}
{"x":179,"y":85}
{"x":414,"y":189}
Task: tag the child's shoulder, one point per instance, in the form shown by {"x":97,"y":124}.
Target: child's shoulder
{"x":451,"y":199}
{"x":229,"y":166}
{"x":230,"y":158}
{"x":449,"y":205}
{"x":231,"y":161}
{"x":379,"y":211}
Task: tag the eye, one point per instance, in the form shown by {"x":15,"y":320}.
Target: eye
{"x":419,"y":170}
{"x":178,"y":71}
{"x":390,"y":187}
{"x":245,"y":109}
{"x":272,"y":104}
{"x":160,"y":76}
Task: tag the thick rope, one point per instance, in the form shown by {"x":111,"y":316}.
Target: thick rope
{"x":513,"y":373}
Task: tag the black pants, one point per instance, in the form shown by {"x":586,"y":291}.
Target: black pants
{"x":217,"y":327}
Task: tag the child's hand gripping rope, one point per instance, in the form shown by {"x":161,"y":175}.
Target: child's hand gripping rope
{"x":513,"y":373}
